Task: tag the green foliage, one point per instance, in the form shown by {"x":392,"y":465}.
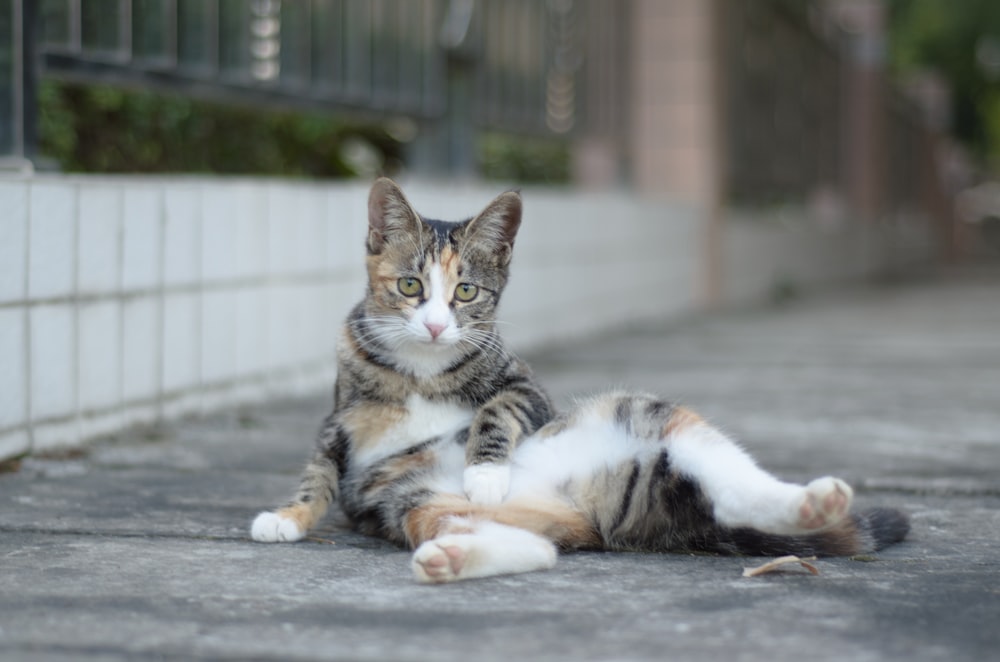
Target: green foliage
{"x":97,"y":128}
{"x":105,"y":129}
{"x":949,"y":36}
{"x":524,"y":160}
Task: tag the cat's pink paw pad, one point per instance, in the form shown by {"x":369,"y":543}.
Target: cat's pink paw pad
{"x":826,"y":502}
{"x":438,"y":561}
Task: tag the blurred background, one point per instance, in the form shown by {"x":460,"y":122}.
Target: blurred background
{"x":184,"y":180}
{"x":841,"y":102}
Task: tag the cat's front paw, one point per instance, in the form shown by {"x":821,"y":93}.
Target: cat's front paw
{"x":826,"y":502}
{"x":272,"y":527}
{"x":486,"y":484}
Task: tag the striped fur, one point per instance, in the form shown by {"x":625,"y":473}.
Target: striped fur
{"x":442,"y":440}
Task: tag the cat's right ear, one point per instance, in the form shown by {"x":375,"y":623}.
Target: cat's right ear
{"x":389,"y":212}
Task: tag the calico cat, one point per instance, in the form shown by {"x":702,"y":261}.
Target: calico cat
{"x":442,"y":440}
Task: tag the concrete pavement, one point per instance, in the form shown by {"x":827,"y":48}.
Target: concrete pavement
{"x":138,"y":549}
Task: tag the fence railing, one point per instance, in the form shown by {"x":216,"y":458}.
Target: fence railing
{"x":510,"y":65}
{"x":783,"y":95}
{"x":376,"y":56}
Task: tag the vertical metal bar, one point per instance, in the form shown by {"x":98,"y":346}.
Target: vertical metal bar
{"x":170,"y":21}
{"x":214,"y":36}
{"x":125,"y":49}
{"x":26,"y":80}
{"x":305,"y":52}
{"x":11,"y":86}
{"x":21,"y":113}
{"x":75,"y":26}
{"x":430,"y":90}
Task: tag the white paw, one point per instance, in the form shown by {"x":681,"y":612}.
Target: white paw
{"x":441,"y":560}
{"x":486,"y":484}
{"x":826,"y":502}
{"x":272,"y":527}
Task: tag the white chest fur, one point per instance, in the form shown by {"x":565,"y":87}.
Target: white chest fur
{"x":424,"y":420}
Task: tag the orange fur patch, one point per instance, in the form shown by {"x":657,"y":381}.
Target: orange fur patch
{"x":367,"y":423}
{"x":680,"y":419}
{"x":303,"y":514}
{"x":449,"y":261}
{"x":394,"y":470}
{"x":426,"y":522}
{"x":565,"y":526}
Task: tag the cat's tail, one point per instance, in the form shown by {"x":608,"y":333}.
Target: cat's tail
{"x":859,"y":533}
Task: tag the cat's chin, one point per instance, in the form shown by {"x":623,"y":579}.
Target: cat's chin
{"x":426,"y":359}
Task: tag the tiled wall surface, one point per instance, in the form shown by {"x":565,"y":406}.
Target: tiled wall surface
{"x":124,"y":301}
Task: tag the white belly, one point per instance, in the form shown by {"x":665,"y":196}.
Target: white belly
{"x":541,"y":466}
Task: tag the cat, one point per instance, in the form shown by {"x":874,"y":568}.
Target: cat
{"x":443,"y":441}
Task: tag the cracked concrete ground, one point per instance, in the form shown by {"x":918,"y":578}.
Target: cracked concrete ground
{"x":138,"y":549}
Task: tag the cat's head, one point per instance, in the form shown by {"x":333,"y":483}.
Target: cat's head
{"x":431,"y":283}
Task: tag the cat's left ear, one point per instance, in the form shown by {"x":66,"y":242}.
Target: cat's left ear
{"x":496,"y":226}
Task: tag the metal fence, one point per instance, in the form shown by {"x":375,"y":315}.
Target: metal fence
{"x":790,"y":95}
{"x":783,"y":96}
{"x":510,"y":65}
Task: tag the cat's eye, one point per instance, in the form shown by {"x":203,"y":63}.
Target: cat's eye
{"x":410,"y":287}
{"x":466,"y":292}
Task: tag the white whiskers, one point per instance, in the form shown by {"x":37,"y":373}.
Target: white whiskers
{"x":388,"y":331}
{"x":485,"y":340}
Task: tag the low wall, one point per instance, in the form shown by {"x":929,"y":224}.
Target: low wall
{"x":773,"y":254}
{"x":129,"y":300}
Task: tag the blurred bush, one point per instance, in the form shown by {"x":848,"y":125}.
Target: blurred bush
{"x":524,"y":160}
{"x":103,"y":129}
{"x":961,"y":41}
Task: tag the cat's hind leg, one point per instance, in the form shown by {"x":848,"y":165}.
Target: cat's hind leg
{"x":743,"y":494}
{"x":455,"y":539}
{"x":292,"y":521}
{"x":481,"y":549}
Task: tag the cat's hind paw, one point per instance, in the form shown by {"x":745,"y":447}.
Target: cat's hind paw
{"x":486,"y":484}
{"x":272,"y":527}
{"x":827,"y":501}
{"x":440,"y":561}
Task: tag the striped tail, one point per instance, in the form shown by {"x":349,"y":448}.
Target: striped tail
{"x":860,"y":533}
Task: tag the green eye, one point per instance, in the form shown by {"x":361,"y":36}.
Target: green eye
{"x":466,"y":292}
{"x":410,"y":287}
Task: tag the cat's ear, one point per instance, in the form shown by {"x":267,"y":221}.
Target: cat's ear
{"x":496,"y":226}
{"x":389,"y":212}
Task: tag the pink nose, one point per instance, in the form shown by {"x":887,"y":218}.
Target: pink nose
{"x":435,"y":329}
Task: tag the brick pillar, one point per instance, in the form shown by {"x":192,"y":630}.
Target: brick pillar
{"x":865,"y":146}
{"x":675,"y":137}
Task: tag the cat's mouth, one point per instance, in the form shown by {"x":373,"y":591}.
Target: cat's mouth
{"x":438,"y":342}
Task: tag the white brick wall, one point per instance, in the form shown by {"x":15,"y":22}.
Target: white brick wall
{"x":142,"y":239}
{"x":127,"y":300}
{"x":51,"y":239}
{"x":763,"y":252}
{"x":13,"y":242}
